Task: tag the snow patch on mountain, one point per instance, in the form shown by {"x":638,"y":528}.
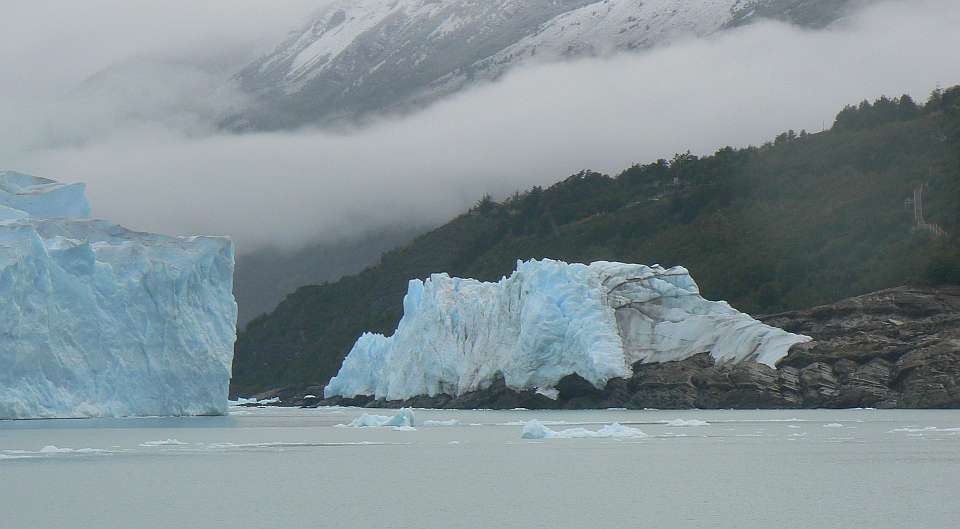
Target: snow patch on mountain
{"x":357,"y":57}
{"x":605,"y":27}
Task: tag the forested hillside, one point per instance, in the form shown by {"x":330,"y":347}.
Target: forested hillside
{"x":803,"y":220}
{"x":265,"y":276}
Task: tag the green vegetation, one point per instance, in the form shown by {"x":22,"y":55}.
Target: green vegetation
{"x":804,"y":220}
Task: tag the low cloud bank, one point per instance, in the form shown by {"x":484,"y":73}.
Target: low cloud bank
{"x":165,"y":168}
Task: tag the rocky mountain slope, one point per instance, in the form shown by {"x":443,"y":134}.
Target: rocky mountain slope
{"x":362,"y":57}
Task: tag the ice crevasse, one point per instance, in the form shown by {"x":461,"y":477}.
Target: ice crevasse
{"x":549,"y":319}
{"x":98,"y":321}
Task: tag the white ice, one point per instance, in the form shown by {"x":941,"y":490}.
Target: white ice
{"x":918,"y":429}
{"x":451,"y":422}
{"x":537,"y":430}
{"x":548,"y":320}
{"x":241,"y":401}
{"x":98,"y":320}
{"x":55,"y":450}
{"x":165,"y":442}
{"x":686,"y":423}
{"x":23,"y":196}
{"x":403,"y":419}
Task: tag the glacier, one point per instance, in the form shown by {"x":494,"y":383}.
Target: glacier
{"x":97,"y":320}
{"x":546,"y":321}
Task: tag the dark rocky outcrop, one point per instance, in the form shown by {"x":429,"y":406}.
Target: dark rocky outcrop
{"x":497,"y":396}
{"x":896,"y":348}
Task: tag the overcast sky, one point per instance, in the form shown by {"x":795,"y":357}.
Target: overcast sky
{"x":155,"y":162}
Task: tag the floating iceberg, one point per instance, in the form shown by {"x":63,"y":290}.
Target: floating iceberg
{"x":98,"y":320}
{"x":241,"y":401}
{"x":402,"y":420}
{"x":165,"y":442}
{"x":548,"y":320}
{"x":537,"y":430}
{"x":450,"y":422}
{"x":684,"y":423}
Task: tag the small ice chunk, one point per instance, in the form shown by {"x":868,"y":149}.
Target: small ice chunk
{"x":918,"y":429}
{"x":833,"y":425}
{"x":51,"y":449}
{"x":537,"y":430}
{"x":165,"y":442}
{"x":368,"y":421}
{"x":402,"y":420}
{"x":451,"y":422}
{"x":241,"y":401}
{"x":686,"y":422}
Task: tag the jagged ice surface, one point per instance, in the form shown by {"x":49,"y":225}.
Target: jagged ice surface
{"x":24,"y":196}
{"x":97,"y":320}
{"x":548,"y":320}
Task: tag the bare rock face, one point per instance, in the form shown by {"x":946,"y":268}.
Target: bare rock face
{"x":893,"y":348}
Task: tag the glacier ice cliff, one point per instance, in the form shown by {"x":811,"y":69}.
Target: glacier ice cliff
{"x":98,"y":321}
{"x":549,"y":319}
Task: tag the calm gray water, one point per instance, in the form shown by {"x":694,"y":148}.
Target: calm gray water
{"x":295,"y":469}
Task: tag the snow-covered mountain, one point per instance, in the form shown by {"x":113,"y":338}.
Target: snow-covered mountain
{"x":548,"y":320}
{"x":100,"y":321}
{"x":357,"y":57}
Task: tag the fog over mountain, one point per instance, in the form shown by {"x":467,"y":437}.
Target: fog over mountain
{"x":160,"y":163}
{"x":357,"y":58}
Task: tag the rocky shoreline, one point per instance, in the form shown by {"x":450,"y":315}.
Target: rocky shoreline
{"x":896,"y":348}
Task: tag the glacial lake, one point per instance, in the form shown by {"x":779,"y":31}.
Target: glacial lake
{"x":297,"y":469}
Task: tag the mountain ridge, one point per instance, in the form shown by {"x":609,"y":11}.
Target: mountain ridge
{"x":354,"y":59}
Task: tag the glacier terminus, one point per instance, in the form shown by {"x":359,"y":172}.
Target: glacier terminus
{"x":100,"y":321}
{"x":549,"y":319}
